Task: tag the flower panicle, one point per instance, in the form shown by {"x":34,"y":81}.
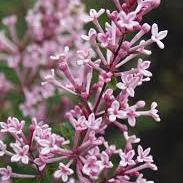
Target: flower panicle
{"x":105,"y":89}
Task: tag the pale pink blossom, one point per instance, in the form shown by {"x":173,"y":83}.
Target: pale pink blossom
{"x":106,"y":163}
{"x":41,"y":161}
{"x":80,"y":124}
{"x":142,"y":67}
{"x":92,"y":167}
{"x":145,"y":6}
{"x":127,"y":20}
{"x":50,"y":143}
{"x":94,"y":15}
{"x":127,"y":158}
{"x":21,"y":153}
{"x":13,"y":125}
{"x":129,"y":82}
{"x":92,"y":35}
{"x":131,"y":115}
{"x":105,"y":38}
{"x":5,"y":174}
{"x":64,"y":172}
{"x":158,"y":36}
{"x":154,"y":111}
{"x":94,"y":151}
{"x":143,"y":155}
{"x":93,"y":123}
{"x":115,"y":112}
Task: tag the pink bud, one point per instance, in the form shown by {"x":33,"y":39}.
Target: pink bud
{"x":140,"y":104}
{"x":62,"y":66}
{"x":146,"y":27}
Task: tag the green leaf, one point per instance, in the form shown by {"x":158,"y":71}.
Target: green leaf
{"x":113,"y":83}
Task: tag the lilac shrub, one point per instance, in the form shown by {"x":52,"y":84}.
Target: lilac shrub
{"x":105,"y":89}
{"x":50,"y":27}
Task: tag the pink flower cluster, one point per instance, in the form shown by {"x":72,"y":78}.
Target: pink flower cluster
{"x":50,"y":27}
{"x":89,"y":158}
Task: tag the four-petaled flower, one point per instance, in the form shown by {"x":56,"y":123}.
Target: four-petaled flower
{"x":64,"y":172}
{"x":92,"y":167}
{"x":41,"y":161}
{"x":93,"y":123}
{"x":154,"y":111}
{"x":94,"y":151}
{"x":158,"y":36}
{"x":13,"y":125}
{"x":51,"y":143}
{"x":105,"y":38}
{"x":5,"y":174}
{"x":127,"y":158}
{"x":80,"y":124}
{"x":127,"y":20}
{"x":105,"y":160}
{"x":21,"y":153}
{"x":143,"y":155}
{"x":92,"y":35}
{"x":93,"y":15}
{"x":131,"y":115}
{"x":129,"y":82}
{"x":142,"y":67}
{"x":115,"y":112}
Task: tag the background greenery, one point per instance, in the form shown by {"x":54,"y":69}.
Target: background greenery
{"x":166,"y":87}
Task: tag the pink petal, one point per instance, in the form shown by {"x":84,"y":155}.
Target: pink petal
{"x":131,"y":16}
{"x":154,"y":30}
{"x":160,"y":44}
{"x":132,"y":121}
{"x":115,"y":105}
{"x":25,"y":159}
{"x":112,"y":118}
{"x":64,"y":178}
{"x":57,"y":174}
{"x":130,"y":91}
{"x":120,"y":85}
{"x":15,"y":158}
{"x":162,"y":34}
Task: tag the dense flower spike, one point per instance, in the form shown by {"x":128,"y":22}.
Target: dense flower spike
{"x":104,"y":90}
